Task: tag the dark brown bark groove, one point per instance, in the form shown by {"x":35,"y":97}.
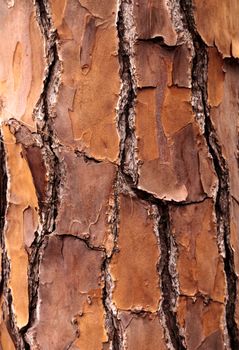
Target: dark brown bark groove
{"x":168,"y":289}
{"x":222,"y":203}
{"x":129,"y":175}
{"x":126,"y":113}
{"x":43,"y":115}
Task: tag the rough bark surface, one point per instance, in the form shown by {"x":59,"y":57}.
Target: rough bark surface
{"x":119,"y":176}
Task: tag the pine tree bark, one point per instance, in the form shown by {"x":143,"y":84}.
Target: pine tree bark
{"x":119,"y":174}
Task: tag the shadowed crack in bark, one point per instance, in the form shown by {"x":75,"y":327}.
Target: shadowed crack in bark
{"x":128,"y":165}
{"x":126,"y":104}
{"x":165,"y":266}
{"x":43,"y":114}
{"x":169,"y":294}
{"x":127,"y":161}
{"x":43,"y":111}
{"x":222,"y":204}
{"x":3,"y":203}
{"x":112,"y":323}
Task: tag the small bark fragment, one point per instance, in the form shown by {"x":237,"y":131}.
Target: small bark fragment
{"x":85,"y":199}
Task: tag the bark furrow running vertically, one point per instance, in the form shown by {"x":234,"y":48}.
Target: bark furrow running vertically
{"x":222,"y":202}
{"x":129,"y":167}
{"x":126,"y":104}
{"x":43,"y":114}
{"x":167,"y":286}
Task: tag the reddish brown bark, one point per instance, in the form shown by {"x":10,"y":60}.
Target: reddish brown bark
{"x":119,"y":174}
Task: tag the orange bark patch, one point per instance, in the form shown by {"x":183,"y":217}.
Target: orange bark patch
{"x":92,"y":333}
{"x":153,"y":20}
{"x":73,"y":308}
{"x":153,"y":65}
{"x":177,"y":110}
{"x":17,"y":63}
{"x":134,"y":267}
{"x":145,"y":332}
{"x":200,"y":267}
{"x":87,"y":119}
{"x":86,"y":197}
{"x":217,"y":22}
{"x":6,"y":343}
{"x":202,"y":323}
{"x":21,"y":197}
{"x":160,"y":179}
{"x":146,"y":124}
{"x":215,"y":77}
{"x":22,"y":61}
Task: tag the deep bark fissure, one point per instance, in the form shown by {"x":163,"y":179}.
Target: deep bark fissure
{"x":11,"y":324}
{"x":112,"y":322}
{"x":167,"y":283}
{"x":222,"y":202}
{"x":169,"y":294}
{"x":3,"y":209}
{"x":126,"y":105}
{"x":43,"y":109}
{"x":129,"y":171}
{"x":3,"y":203}
{"x":127,"y":162}
{"x":43,"y":116}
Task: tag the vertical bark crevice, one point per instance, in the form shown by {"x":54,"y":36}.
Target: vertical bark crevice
{"x":44,"y":112}
{"x":168,"y":287}
{"x":43,"y":115}
{"x":3,"y":203}
{"x":8,"y":312}
{"x":127,"y":160}
{"x":126,"y":103}
{"x":112,"y":323}
{"x":128,"y":170}
{"x":222,"y":201}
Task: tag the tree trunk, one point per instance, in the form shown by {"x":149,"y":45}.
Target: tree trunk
{"x":119,"y":174}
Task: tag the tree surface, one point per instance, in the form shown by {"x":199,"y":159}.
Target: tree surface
{"x":119,"y":212}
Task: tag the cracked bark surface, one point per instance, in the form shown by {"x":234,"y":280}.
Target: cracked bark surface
{"x":119,"y":175}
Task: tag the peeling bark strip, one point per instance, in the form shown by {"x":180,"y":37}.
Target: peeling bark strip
{"x":7,"y":317}
{"x":223,"y":202}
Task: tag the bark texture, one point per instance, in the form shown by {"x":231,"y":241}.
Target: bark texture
{"x":119,"y":174}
